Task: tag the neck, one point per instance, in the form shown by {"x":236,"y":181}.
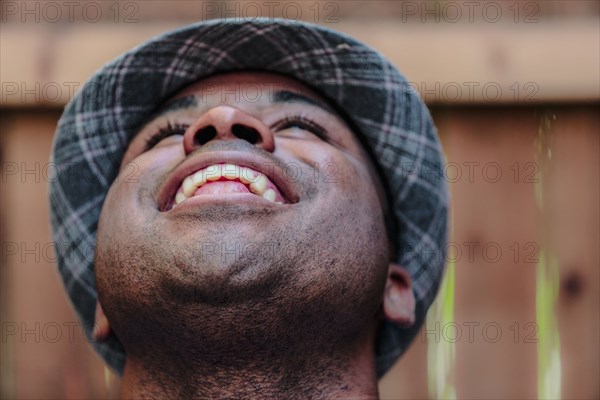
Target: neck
{"x":297,"y":374}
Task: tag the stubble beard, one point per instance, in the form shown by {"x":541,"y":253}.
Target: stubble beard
{"x":292,"y":302}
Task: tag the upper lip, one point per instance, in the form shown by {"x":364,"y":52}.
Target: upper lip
{"x":270,"y":168}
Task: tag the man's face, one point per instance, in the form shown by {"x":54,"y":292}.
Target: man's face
{"x":255,"y":212}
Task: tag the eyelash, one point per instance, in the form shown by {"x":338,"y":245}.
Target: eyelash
{"x":301,"y":122}
{"x":288,"y":121}
{"x":164,"y":132}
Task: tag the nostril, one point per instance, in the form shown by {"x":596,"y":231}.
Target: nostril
{"x":205,"y":135}
{"x":246,"y":133}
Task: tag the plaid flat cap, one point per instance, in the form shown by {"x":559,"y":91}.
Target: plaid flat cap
{"x":391,"y":119}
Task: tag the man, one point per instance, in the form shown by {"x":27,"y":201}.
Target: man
{"x":267,"y":210}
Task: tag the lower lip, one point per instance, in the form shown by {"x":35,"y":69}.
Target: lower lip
{"x":228,"y":199}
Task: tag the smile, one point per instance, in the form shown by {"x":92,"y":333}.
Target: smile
{"x":225,"y":179}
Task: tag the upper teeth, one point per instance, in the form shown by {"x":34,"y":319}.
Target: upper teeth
{"x":256,"y":181}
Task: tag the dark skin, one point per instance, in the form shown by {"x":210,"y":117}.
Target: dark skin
{"x":230,"y":294}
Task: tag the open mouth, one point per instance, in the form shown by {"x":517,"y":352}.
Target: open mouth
{"x":224,"y":179}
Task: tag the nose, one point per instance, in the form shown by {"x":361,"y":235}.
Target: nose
{"x":227,"y":123}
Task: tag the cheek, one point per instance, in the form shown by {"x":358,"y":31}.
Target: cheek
{"x":346,"y":196}
{"x":342,"y":185}
{"x":126,"y":212}
{"x":132,"y":196}
{"x":348,"y":176}
{"x":329,"y":165}
{"x":157,"y":158}
{"x":355,"y":203}
{"x":144,"y":172}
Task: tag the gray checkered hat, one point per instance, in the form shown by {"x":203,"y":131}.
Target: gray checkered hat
{"x":391,"y":119}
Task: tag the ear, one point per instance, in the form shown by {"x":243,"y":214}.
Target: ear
{"x":399,"y":300}
{"x":101,"y":325}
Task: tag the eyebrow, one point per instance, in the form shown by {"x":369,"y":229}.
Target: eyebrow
{"x":279,"y":97}
{"x":177,"y":104}
{"x":285,"y":96}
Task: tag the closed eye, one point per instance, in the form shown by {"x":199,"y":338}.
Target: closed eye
{"x":300,"y":122}
{"x":164,"y":132}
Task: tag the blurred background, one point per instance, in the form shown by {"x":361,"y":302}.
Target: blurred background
{"x":514,"y":89}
